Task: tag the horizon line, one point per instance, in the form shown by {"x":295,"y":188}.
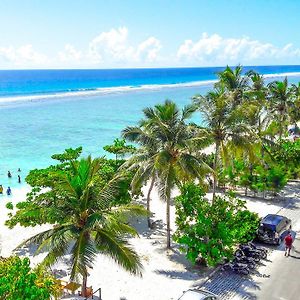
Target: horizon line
{"x":149,"y":68}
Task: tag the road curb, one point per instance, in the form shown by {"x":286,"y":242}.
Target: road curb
{"x":209,"y":276}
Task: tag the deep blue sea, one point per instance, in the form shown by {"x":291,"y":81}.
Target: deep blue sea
{"x":42,"y":112}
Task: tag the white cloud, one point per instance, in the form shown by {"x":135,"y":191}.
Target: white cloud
{"x":113,"y":47}
{"x":22,"y":56}
{"x":70,"y":54}
{"x":214,"y":49}
{"x":149,"y":49}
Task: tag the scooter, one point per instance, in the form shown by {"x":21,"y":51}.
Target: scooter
{"x":254,"y":255}
{"x":252,"y":252}
{"x":245,"y":260}
{"x":237,"y":268}
{"x":263,"y":251}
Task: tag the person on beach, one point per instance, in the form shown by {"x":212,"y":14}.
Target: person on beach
{"x":19,"y":178}
{"x":8,"y":174}
{"x":288,"y":240}
{"x":1,"y":189}
{"x":8,"y":191}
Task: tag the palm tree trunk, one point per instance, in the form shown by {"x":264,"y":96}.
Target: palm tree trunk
{"x":215,"y":170}
{"x":281,"y":126}
{"x":168,"y":224}
{"x":148,"y":200}
{"x":84,"y":284}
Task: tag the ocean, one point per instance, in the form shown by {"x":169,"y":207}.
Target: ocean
{"x":42,"y":112}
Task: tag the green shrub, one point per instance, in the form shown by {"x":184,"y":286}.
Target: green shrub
{"x":211,"y":230}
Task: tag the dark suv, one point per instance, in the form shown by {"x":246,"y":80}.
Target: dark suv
{"x":272,"y":229}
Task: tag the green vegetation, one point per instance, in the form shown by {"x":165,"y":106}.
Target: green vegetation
{"x":19,"y":282}
{"x":80,"y":201}
{"x":167,"y":146}
{"x":119,"y":148}
{"x":89,"y":201}
{"x":210,"y":231}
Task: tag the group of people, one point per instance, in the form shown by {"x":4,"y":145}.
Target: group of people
{"x":8,"y":190}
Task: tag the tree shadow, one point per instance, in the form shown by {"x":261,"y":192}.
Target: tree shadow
{"x":26,"y":250}
{"x":286,"y":198}
{"x":227,"y":284}
{"x":178,"y":274}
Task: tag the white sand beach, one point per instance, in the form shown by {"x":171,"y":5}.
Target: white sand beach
{"x":166,"y":273}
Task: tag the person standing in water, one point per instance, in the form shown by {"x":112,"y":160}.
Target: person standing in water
{"x":8,"y":191}
{"x":19,"y":179}
{"x":8,"y":174}
{"x":19,"y":170}
{"x":1,"y":189}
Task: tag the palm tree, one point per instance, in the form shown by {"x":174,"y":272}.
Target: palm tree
{"x":279,"y":100}
{"x":91,"y":224}
{"x":294,"y":109}
{"x":234,"y":83}
{"x":144,"y":166}
{"x":169,"y":155}
{"x":225,"y":126}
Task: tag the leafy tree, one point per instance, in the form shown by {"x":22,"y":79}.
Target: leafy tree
{"x":88,"y":224}
{"x":119,"y":148}
{"x":44,"y":183}
{"x":171,"y":159}
{"x":19,"y":282}
{"x":288,"y":156}
{"x":69,"y":154}
{"x":211,"y":230}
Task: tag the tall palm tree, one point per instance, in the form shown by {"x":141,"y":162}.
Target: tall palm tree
{"x":170,"y":152}
{"x":91,"y":224}
{"x":234,"y":83}
{"x":144,"y":166}
{"x":294,"y":109}
{"x":279,"y":100}
{"x":225,"y":126}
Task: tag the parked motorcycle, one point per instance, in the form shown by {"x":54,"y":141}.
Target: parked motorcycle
{"x":263,"y":251}
{"x":256,"y":256}
{"x":249,"y":251}
{"x":249,"y":261}
{"x":237,"y":268}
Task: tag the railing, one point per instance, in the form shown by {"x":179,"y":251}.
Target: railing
{"x":93,"y":294}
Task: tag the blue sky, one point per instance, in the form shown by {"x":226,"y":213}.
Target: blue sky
{"x":130,"y":33}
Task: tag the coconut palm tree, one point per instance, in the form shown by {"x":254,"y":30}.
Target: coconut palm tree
{"x":91,"y":224}
{"x":225,"y":126}
{"x":142,"y":163}
{"x":234,"y":83}
{"x":278,"y":103}
{"x":170,"y":152}
{"x":294,"y":109}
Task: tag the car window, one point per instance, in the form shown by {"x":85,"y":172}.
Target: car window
{"x":281,"y":225}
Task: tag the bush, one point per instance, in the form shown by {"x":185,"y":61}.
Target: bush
{"x":19,"y":282}
{"x":211,"y":230}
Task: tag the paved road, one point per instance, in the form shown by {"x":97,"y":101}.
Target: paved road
{"x":278,"y":278}
{"x":283,"y":283}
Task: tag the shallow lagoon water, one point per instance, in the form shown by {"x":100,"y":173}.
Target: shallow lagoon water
{"x":32,"y":131}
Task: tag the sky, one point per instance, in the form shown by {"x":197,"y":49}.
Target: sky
{"x":37,"y":34}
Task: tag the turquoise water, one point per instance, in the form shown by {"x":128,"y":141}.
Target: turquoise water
{"x":34,"y":129}
{"x":32,"y":132}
